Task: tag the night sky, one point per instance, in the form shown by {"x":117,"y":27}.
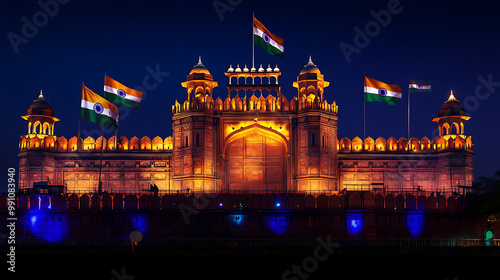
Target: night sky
{"x":455,"y":46}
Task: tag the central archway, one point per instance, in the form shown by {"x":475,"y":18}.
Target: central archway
{"x":256,"y":160}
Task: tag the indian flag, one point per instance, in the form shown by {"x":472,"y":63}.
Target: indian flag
{"x":97,"y":109}
{"x":120,"y":94}
{"x":419,"y":86}
{"x":382,"y":92}
{"x":270,"y":42}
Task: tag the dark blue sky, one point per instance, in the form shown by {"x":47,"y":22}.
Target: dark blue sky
{"x":449,"y":43}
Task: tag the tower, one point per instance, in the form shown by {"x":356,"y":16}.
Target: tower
{"x":451,"y":118}
{"x":40,"y":118}
{"x":455,"y":165}
{"x":35,"y":164}
{"x":193,"y":133}
{"x":316,"y":131}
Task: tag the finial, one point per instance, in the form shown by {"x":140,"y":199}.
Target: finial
{"x":310,"y":63}
{"x":452,"y":97}
{"x":199,"y":61}
{"x":41,"y":94}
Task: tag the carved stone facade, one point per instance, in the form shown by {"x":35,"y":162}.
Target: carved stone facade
{"x":254,"y":141}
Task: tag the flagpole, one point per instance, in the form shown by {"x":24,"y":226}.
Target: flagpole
{"x":253,"y":43}
{"x":408,"y":114}
{"x":100,"y":162}
{"x":364,"y":118}
{"x":364,"y":111}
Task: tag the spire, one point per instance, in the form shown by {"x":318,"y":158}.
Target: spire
{"x":41,"y":97}
{"x":309,"y":63}
{"x":452,"y":97}
{"x":199,"y":62}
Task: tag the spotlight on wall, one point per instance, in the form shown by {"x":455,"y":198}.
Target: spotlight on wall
{"x":278,"y":205}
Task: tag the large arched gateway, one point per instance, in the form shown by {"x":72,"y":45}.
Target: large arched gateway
{"x":256,"y":160}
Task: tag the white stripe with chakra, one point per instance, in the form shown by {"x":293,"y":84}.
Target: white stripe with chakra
{"x":376,"y":91}
{"x":107,"y":112}
{"x":127,"y":96}
{"x":273,"y":43}
{"x":418,"y":86}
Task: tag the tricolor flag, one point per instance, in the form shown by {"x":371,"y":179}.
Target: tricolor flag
{"x":382,"y":92}
{"x":270,"y":42}
{"x":120,"y":94}
{"x":97,"y":109}
{"x":419,"y":86}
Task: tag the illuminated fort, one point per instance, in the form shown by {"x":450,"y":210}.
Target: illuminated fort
{"x":252,"y":141}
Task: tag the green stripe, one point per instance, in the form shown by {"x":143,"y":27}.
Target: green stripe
{"x":370,"y":97}
{"x":268,"y":47}
{"x":91,"y":116}
{"x":420,"y":82}
{"x":111,"y":97}
{"x":419,"y":90}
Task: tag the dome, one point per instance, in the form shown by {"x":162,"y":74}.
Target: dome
{"x":41,"y":106}
{"x":451,"y":108}
{"x":310,"y":68}
{"x":199,"y":68}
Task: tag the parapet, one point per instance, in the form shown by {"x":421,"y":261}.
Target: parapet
{"x":61,"y":144}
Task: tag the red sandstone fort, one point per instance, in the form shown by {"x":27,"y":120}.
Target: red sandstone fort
{"x":250,"y":142}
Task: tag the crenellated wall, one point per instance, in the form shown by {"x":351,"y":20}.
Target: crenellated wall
{"x":439,"y":143}
{"x":89,"y":144}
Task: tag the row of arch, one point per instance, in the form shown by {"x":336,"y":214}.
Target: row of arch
{"x":41,"y":128}
{"x":353,"y":201}
{"x":414,"y":144}
{"x":254,"y":103}
{"x":61,"y":144}
{"x":451,"y":128}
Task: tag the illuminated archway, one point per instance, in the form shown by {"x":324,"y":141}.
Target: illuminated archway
{"x":256,"y":160}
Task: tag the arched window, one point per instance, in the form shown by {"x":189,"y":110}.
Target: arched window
{"x":323,"y":143}
{"x":313,"y":139}
{"x":197,"y":139}
{"x":186,"y":143}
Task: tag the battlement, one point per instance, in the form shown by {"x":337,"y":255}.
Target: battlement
{"x":440,"y":143}
{"x":255,"y":104}
{"x":61,"y":144}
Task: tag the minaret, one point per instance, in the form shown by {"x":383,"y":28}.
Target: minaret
{"x":317,"y":168}
{"x":451,"y":118}
{"x":310,"y":81}
{"x":193,"y":129}
{"x":40,"y":118}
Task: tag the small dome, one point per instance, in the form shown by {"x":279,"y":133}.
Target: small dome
{"x":276,"y":69}
{"x":261,"y":69}
{"x":199,"y":68}
{"x":238,"y":69}
{"x":230,"y":69}
{"x":451,"y":107}
{"x":245,"y":69}
{"x":269,"y":69}
{"x":41,"y":106}
{"x":253,"y":69}
{"x":310,"y":68}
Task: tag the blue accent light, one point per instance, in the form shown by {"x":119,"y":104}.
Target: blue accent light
{"x":52,"y":228}
{"x":277,"y":224}
{"x":236,"y":219}
{"x":354,"y":224}
{"x":278,"y":205}
{"x":220,"y":204}
{"x":415,"y":224}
